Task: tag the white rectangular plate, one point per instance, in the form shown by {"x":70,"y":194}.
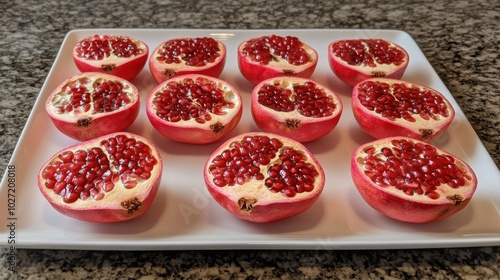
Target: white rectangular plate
{"x":184,"y":216}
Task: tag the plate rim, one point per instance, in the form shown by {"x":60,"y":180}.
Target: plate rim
{"x":228,"y":244}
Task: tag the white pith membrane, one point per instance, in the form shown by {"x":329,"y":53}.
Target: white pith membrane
{"x":62,"y":96}
{"x":230,"y":95}
{"x":288,"y":83}
{"x":447,"y":194}
{"x":436,"y":122}
{"x":175,"y":67}
{"x":113,"y":59}
{"x":380,"y":70}
{"x":281,"y":63}
{"x":119,"y":194}
{"x":256,"y":189}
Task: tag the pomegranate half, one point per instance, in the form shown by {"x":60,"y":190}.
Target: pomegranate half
{"x":108,"y":179}
{"x":93,"y":104}
{"x":181,"y":56}
{"x":411,"y":180}
{"x":194,"y":109}
{"x":356,"y":60}
{"x":263,"y":177}
{"x":122,"y":56}
{"x":272,"y":56}
{"x":387,"y":107}
{"x":294,"y":107}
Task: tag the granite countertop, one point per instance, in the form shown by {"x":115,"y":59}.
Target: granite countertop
{"x":459,"y":38}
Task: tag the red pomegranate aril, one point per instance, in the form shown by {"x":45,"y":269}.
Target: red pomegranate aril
{"x":264,"y":49}
{"x":193,"y":51}
{"x":91,"y":171}
{"x":424,"y":186}
{"x":287,"y":183}
{"x":96,"y":49}
{"x":367,"y":52}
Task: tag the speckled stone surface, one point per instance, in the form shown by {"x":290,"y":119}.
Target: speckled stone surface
{"x":459,"y":38}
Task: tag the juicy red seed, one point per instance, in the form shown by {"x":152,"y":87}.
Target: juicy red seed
{"x":86,"y":174}
{"x":414,"y":169}
{"x":70,"y":194}
{"x":368,"y":52}
{"x":66,"y":156}
{"x":59,"y":187}
{"x":101,"y":47}
{"x":130,"y":184}
{"x":94,"y":49}
{"x":307,"y":99}
{"x":288,"y":170}
{"x":193,"y":51}
{"x":190,"y":99}
{"x":109,"y":96}
{"x":128,"y":152}
{"x":401,"y":101}
{"x":108,"y":186}
{"x":432,"y":195}
{"x":268,"y":48}
{"x":50,"y":183}
{"x":220,"y":182}
{"x":125,"y":47}
{"x":71,"y":171}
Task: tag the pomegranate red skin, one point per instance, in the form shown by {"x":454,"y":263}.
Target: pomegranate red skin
{"x":263,"y":213}
{"x":163,"y":71}
{"x":126,"y":68}
{"x":308,"y":129}
{"x":379,"y":127}
{"x":113,"y":211}
{"x":402,"y":209}
{"x":351,"y":75}
{"x":191,"y":133}
{"x":88,"y":126}
{"x":255,"y":73}
{"x":266,"y":210}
